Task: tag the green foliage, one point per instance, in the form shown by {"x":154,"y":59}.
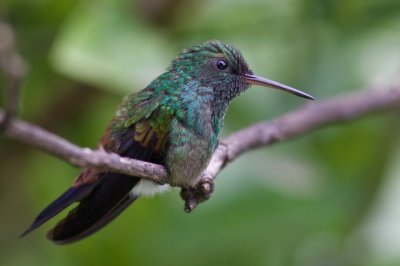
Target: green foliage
{"x":326,"y":199}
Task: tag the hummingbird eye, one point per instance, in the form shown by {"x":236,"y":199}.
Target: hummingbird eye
{"x":222,"y":64}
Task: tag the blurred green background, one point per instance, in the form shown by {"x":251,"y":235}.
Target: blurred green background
{"x":330,"y":198}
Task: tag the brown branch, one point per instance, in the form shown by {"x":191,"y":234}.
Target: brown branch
{"x":81,"y":157}
{"x":303,"y":121}
{"x":291,"y":125}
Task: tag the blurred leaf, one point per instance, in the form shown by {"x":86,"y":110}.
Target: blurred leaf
{"x":103,"y":43}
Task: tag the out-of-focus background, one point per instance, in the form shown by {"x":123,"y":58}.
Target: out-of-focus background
{"x":330,"y":198}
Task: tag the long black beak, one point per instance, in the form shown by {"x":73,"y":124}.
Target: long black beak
{"x":256,"y":80}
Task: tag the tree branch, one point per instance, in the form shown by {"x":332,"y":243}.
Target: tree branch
{"x":303,"y":121}
{"x":43,"y":140}
{"x":291,"y":125}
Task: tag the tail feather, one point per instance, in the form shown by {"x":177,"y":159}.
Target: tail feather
{"x":67,"y":198}
{"x":110,"y":197}
{"x":57,"y":234}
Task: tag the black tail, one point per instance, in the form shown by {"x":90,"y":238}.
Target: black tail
{"x":110,"y":197}
{"x":99,"y":204}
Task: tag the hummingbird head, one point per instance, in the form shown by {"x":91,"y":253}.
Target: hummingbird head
{"x":223,"y":67}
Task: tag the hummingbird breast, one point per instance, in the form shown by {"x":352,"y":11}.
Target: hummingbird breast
{"x":190,"y":150}
{"x":193,"y":133}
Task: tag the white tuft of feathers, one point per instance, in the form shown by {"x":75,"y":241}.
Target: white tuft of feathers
{"x":148,"y":188}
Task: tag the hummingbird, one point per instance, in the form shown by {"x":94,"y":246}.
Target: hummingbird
{"x":175,"y":121}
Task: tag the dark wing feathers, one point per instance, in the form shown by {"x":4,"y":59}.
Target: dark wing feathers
{"x":103,"y":196}
{"x":96,"y":210}
{"x":109,"y":198}
{"x":57,"y":233}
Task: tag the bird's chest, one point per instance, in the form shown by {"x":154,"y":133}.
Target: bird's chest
{"x":190,"y":149}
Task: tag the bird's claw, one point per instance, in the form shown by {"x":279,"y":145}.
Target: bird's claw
{"x":199,"y":193}
{"x":206,"y":187}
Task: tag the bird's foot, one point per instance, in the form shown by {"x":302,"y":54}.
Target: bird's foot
{"x":199,"y":193}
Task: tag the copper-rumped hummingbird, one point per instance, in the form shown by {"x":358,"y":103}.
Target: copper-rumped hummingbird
{"x":175,"y":121}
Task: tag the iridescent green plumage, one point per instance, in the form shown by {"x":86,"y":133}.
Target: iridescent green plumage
{"x":185,"y":105}
{"x":175,"y":121}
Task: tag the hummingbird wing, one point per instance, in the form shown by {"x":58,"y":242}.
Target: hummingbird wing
{"x":140,"y":132}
